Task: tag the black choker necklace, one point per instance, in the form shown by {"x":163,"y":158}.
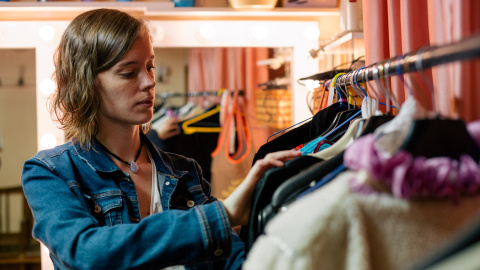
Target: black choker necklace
{"x":132,"y":165}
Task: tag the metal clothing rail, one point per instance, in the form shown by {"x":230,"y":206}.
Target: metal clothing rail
{"x":164,"y":95}
{"x":420,"y":59}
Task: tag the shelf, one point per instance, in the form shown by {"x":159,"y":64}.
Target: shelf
{"x":342,"y":38}
{"x":55,"y":10}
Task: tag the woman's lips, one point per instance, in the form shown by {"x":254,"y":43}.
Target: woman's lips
{"x":146,"y":102}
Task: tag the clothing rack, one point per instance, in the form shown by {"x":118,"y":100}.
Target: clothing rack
{"x":420,"y":59}
{"x":165,"y":95}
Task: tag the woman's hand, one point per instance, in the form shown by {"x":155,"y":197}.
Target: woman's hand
{"x":168,"y":128}
{"x":238,"y":204}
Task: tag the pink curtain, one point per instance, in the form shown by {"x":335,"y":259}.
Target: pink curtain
{"x":396,"y":27}
{"x":211,"y":69}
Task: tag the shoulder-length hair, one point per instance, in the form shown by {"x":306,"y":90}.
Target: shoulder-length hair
{"x":93,"y":42}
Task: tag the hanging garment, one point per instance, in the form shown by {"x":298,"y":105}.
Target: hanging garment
{"x":304,"y":133}
{"x":229,"y":170}
{"x":335,"y":228}
{"x":287,"y":189}
{"x":364,"y":214}
{"x":263,"y":193}
{"x":462,"y":253}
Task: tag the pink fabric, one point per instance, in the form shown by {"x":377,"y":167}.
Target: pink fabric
{"x":211,"y":69}
{"x":396,"y":27}
{"x":408,"y":177}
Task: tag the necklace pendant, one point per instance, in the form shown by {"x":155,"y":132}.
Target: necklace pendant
{"x":133,"y":167}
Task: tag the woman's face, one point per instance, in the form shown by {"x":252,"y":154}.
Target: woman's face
{"x":127,"y":90}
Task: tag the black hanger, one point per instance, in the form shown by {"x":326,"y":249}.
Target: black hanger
{"x":373,"y":122}
{"x":301,"y":134}
{"x":440,"y":138}
{"x":339,"y":119}
{"x":290,"y":189}
{"x":325,"y":75}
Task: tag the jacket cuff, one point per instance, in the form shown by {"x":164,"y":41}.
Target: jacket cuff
{"x":216,"y":230}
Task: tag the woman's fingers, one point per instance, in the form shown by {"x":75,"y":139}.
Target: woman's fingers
{"x":239,"y":202}
{"x":275,"y":159}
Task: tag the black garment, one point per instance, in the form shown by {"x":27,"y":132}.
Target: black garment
{"x":264,"y":190}
{"x":198,"y":145}
{"x":279,"y":192}
{"x":289,"y":190}
{"x":304,"y":133}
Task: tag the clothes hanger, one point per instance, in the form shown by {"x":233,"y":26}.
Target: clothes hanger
{"x":374,"y":121}
{"x":342,"y":116}
{"x":338,"y":126}
{"x":291,"y":189}
{"x":189,"y":129}
{"x":243,"y":132}
{"x":435,"y":137}
{"x":365,"y":126}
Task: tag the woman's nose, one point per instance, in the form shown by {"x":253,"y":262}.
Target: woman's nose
{"x":148,"y":80}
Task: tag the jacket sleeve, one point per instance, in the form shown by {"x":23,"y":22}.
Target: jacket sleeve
{"x":76,"y":240}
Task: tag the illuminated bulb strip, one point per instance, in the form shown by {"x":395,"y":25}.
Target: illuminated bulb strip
{"x":47,"y":87}
{"x":259,"y":32}
{"x":46,"y":32}
{"x":207,"y":31}
{"x":312,"y":32}
{"x":48,"y":141}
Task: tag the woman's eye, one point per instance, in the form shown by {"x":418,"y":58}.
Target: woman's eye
{"x":127,"y":75}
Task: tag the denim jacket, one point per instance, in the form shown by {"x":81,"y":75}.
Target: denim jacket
{"x":86,"y":212}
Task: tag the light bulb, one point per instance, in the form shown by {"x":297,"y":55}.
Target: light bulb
{"x":312,"y":84}
{"x":46,"y":32}
{"x":158,"y":33}
{"x":207,"y":31}
{"x":311,"y":32}
{"x":48,"y":140}
{"x":259,"y":32}
{"x":47,"y":87}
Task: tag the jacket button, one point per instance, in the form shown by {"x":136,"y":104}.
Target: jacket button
{"x":190,"y":203}
{"x":218,"y":252}
{"x":98,"y":209}
{"x":167,"y":183}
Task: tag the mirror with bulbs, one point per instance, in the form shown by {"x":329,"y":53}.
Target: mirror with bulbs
{"x":27,"y":44}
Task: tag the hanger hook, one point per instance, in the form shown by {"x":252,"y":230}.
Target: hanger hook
{"x":402,"y":61}
{"x":353,"y":75}
{"x":350,"y":97}
{"x":377,"y":76}
{"x":344,"y":90}
{"x":387,"y":83}
{"x":356,"y":82}
{"x":368,"y":82}
{"x":340,"y":89}
{"x":420,"y":69}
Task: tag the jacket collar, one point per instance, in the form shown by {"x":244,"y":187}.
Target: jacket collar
{"x":98,"y":159}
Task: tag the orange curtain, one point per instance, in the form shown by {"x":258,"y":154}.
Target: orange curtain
{"x":211,"y":69}
{"x":396,"y":27}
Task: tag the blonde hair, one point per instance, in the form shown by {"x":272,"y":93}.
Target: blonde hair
{"x":93,"y":42}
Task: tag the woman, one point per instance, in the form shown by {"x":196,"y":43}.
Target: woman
{"x":109,"y":198}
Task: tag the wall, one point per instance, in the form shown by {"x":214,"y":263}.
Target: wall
{"x":175,"y":60}
{"x":18,"y":122}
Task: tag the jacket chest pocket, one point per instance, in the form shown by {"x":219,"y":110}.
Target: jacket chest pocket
{"x":108,"y":210}
{"x":189,"y":198}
